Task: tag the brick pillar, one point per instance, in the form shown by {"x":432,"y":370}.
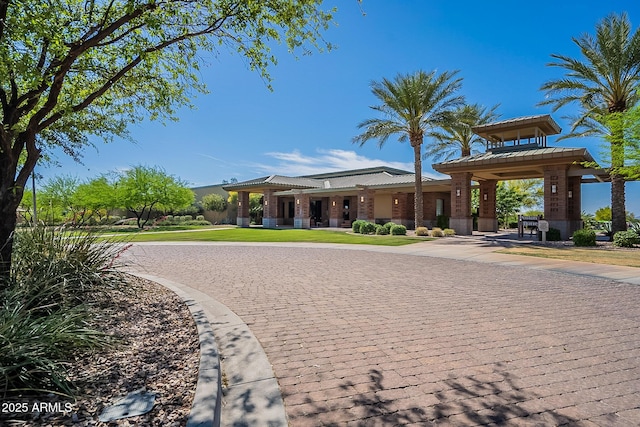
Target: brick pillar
{"x":461,"y":220}
{"x":400,"y":212}
{"x":365,"y":204}
{"x":269,"y":209}
{"x":302,"y":210}
{"x":574,"y":203}
{"x":487,"y":220}
{"x":243,"y":219}
{"x":335,"y":211}
{"x":556,"y":199}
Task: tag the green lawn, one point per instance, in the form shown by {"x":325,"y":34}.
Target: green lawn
{"x":271,"y":235}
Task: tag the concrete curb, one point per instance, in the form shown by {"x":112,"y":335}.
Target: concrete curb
{"x":207,"y":403}
{"x":252,"y":394}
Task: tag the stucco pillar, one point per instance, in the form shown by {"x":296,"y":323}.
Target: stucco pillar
{"x":335,"y":211}
{"x":461,"y":220}
{"x":243,"y":219}
{"x":400,"y":209}
{"x":269,"y":209}
{"x":302,"y":217}
{"x":365,"y":204}
{"x":487,"y":219}
{"x":556,"y":199}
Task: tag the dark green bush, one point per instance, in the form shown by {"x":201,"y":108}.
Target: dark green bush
{"x":368,"y":228}
{"x":381,"y":230}
{"x":355,"y":227}
{"x":388,"y":226}
{"x":626,"y":239}
{"x":442,"y":221}
{"x":553,"y":235}
{"x":584,"y":237}
{"x":399,"y":230}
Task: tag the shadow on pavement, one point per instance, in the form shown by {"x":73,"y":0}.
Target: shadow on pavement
{"x":464,"y":401}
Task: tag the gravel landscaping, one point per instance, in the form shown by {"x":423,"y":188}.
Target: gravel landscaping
{"x":158,"y":351}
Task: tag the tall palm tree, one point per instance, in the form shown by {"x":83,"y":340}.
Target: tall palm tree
{"x":457,"y":138}
{"x":411,"y":106}
{"x":602,"y":83}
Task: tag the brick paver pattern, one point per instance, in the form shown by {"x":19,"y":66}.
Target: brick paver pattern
{"x":373,"y":339}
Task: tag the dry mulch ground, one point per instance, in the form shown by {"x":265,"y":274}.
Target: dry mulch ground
{"x":158,"y":350}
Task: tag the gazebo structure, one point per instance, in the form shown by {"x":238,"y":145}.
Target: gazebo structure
{"x":517,"y":149}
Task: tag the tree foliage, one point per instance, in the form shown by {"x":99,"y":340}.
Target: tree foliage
{"x":603,"y":82}
{"x":411,"y":106}
{"x":457,"y":138}
{"x":70,"y":69}
{"x":214,"y":202}
{"x":143,"y":189}
{"x":509,"y":199}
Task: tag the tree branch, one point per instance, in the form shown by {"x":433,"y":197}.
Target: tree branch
{"x":4,"y":6}
{"x":124,"y":70}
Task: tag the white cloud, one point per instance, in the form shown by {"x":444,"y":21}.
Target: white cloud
{"x":295,"y":163}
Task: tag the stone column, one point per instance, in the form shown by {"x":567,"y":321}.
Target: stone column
{"x":302,"y":210}
{"x":365,"y":204}
{"x":400,"y":212}
{"x":487,"y":219}
{"x":461,"y":220}
{"x":243,"y":219}
{"x":269,"y":209}
{"x":335,"y":211}
{"x":556,"y":199}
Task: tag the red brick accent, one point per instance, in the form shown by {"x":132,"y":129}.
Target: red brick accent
{"x":488,"y":206}
{"x":365,"y":204}
{"x":243,"y":209}
{"x":555,"y":203}
{"x":461,"y":195}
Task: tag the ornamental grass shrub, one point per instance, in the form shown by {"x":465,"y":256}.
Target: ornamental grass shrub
{"x":626,"y":239}
{"x":46,"y":314}
{"x":398,"y":230}
{"x":422,"y":231}
{"x":449,"y":232}
{"x":437,"y":232}
{"x":584,"y":237}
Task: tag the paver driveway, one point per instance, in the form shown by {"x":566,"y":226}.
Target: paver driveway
{"x":373,"y":338}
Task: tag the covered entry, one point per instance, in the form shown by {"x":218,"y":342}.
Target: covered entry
{"x":517,"y":149}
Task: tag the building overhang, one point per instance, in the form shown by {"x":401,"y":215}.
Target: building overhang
{"x":522,"y":164}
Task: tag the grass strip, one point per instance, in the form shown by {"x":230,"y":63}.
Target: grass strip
{"x":627,"y":258}
{"x":274,"y":235}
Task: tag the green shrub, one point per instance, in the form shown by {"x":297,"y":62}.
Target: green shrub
{"x":398,"y":230}
{"x":388,"y":226}
{"x":553,"y":235}
{"x":437,"y":232}
{"x":368,"y":228}
{"x":168,"y":218}
{"x":199,"y":217}
{"x":584,"y":237}
{"x":626,"y":239}
{"x":355,"y":227}
{"x":381,"y":230}
{"x":442,"y":221}
{"x":422,"y":231}
{"x":46,"y":314}
{"x":449,"y":232}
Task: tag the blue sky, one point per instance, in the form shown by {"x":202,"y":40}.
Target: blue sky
{"x":242,"y":130}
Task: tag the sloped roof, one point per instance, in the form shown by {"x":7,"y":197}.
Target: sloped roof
{"x":380,"y":176}
{"x":518,"y":128}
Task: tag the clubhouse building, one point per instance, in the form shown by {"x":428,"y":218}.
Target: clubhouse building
{"x":515,"y":149}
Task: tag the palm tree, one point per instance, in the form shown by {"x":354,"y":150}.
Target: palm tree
{"x":411,"y":106}
{"x":457,"y":138}
{"x":602,"y":83}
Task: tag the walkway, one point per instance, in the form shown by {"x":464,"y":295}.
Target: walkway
{"x":425,"y":335}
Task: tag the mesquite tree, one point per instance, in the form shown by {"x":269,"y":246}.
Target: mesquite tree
{"x":71,"y":69}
